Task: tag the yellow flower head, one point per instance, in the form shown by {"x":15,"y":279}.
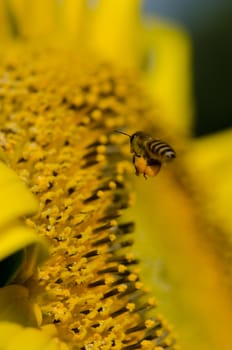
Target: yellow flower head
{"x":57,"y":127}
{"x":70,"y":76}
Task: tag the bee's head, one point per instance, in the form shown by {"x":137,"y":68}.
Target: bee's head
{"x":136,"y":141}
{"x":136,"y":135}
{"x":133,"y":136}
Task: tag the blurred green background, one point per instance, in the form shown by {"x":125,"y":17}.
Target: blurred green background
{"x":209,"y":24}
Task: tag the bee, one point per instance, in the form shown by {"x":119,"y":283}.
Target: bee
{"x":148,"y":153}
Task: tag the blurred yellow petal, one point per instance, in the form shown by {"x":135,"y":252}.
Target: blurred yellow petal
{"x":72,"y":16}
{"x":15,"y":306}
{"x":40,"y":18}
{"x":208,"y":160}
{"x":13,"y":336}
{"x":8,"y":23}
{"x":12,"y":192}
{"x":21,"y":249}
{"x":195,"y":218}
{"x":114,"y":32}
{"x":168,"y":75}
{"x":3,"y":156}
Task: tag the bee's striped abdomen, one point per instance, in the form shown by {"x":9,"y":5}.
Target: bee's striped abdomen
{"x":161,"y":149}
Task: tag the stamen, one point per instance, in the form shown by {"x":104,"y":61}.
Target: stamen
{"x":110,"y":293}
{"x":97,"y":283}
{"x":124,"y":260}
{"x":91,"y":254}
{"x":130,"y":290}
{"x":89,"y":164}
{"x":117,"y":246}
{"x":95,"y":196}
{"x":132,"y":346}
{"x":105,"y":240}
{"x":119,"y":312}
{"x":110,"y":216}
{"x":102,"y":228}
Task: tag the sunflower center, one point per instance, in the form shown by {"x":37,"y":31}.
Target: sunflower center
{"x":59,"y":116}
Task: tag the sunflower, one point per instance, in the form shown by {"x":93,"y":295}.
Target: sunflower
{"x":73,"y":276}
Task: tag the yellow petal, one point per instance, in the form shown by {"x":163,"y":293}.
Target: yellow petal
{"x":72,"y":16}
{"x":208,"y":160}
{"x":8,"y":25}
{"x":12,"y":192}
{"x":3,"y":156}
{"x":15,"y":306}
{"x":33,"y":19}
{"x":21,"y":249}
{"x":115,"y":30}
{"x":18,"y":239}
{"x":13,"y":336}
{"x":168,"y":76}
{"x":185,"y":273}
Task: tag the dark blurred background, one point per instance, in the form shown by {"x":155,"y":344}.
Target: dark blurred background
{"x":209,"y":23}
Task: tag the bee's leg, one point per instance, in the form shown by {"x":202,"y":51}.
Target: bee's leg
{"x":145,"y":176}
{"x":136,"y":169}
{"x":155,"y":165}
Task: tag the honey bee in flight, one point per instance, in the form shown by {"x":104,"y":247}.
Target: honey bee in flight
{"x":148,"y":153}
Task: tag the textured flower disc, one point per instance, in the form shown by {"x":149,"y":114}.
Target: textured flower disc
{"x":58,"y":116}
